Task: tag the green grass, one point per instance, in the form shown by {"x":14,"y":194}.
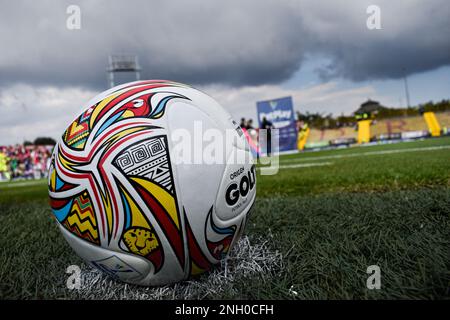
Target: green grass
{"x":330,"y":223}
{"x":20,"y":191}
{"x":355,"y":172}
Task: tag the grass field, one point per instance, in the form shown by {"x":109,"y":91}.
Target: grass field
{"x":328,"y":215}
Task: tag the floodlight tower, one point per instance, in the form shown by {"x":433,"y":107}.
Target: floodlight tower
{"x":122,"y":63}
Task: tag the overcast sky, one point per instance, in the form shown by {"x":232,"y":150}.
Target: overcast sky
{"x":320,"y":52}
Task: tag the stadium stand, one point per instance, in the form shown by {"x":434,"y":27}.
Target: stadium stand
{"x":403,"y":125}
{"x":444,"y":119}
{"x":327,"y":135}
{"x":379,"y":130}
{"x":398,"y":125}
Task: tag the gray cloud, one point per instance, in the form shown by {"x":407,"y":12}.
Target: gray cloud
{"x":232,"y":42}
{"x":414,"y":38}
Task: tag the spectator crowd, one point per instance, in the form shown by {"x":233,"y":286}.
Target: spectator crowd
{"x":24,"y":162}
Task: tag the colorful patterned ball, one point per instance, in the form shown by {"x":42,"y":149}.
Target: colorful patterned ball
{"x":141,"y":191}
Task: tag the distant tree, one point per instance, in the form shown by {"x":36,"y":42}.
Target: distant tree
{"x":44,"y":141}
{"x":27,"y":143}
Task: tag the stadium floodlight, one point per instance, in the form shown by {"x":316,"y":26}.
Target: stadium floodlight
{"x":122,"y":63}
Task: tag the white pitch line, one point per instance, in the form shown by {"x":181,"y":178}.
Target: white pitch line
{"x":369,"y":153}
{"x":306,"y":165}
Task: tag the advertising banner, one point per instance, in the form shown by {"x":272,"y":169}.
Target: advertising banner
{"x":280,"y":112}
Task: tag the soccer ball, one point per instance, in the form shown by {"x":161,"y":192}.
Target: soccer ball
{"x":136,"y":197}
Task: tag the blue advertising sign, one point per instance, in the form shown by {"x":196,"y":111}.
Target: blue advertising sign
{"x":280,"y":112}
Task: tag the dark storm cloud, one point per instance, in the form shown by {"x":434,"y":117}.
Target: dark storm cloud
{"x":232,"y":42}
{"x":414,"y":38}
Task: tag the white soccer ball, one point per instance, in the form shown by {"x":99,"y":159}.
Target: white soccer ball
{"x":152,"y":183}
